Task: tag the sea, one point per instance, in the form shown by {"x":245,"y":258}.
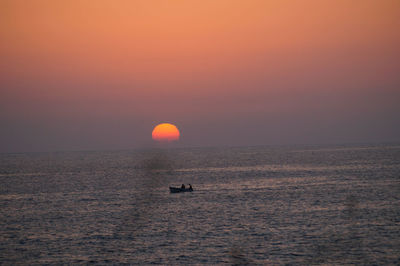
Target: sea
{"x":266,"y":205}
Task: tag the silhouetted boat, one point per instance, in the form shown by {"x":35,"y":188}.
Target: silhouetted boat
{"x":178,"y":189}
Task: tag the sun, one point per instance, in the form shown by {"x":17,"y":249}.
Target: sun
{"x":165,"y":132}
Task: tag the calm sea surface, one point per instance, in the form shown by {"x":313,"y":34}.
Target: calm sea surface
{"x":255,"y":205}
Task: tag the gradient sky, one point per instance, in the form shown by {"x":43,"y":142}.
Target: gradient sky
{"x":101,"y":74}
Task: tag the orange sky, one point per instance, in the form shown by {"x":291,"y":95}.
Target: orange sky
{"x":101,"y":74}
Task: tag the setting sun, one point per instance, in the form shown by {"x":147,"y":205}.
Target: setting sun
{"x":165,"y":132}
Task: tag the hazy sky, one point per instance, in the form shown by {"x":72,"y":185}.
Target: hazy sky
{"x":101,"y":74}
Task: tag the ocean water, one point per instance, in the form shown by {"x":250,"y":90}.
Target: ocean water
{"x":297,"y":205}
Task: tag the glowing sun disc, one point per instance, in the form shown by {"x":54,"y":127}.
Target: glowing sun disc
{"x":165,"y":132}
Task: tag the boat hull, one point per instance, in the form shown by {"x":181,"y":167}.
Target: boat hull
{"x":178,"y":189}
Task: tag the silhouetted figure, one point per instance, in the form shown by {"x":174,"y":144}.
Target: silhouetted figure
{"x":190,"y":187}
{"x":183,"y":186}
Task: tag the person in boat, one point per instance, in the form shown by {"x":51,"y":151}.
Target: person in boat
{"x":190,"y":187}
{"x":183,"y":186}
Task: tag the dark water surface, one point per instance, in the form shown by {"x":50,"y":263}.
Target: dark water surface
{"x":254,"y":205}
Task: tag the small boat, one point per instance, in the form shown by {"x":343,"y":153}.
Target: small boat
{"x":178,"y":189}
